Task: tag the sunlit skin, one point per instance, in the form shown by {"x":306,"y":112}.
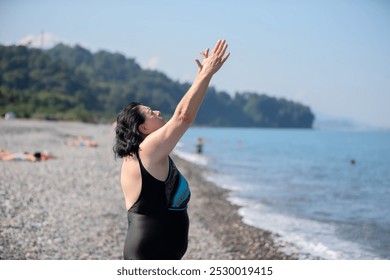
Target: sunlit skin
{"x":153,"y":120}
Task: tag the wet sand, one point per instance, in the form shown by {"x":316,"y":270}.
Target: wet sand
{"x":72,"y":207}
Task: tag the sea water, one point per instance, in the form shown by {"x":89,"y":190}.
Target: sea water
{"x":325,"y":192}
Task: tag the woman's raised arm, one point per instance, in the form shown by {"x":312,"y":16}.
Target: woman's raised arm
{"x":159,"y":144}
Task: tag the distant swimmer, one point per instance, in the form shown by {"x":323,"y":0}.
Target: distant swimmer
{"x":199,"y":145}
{"x":353,"y":161}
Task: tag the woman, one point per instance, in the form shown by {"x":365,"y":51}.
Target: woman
{"x":155,"y":192}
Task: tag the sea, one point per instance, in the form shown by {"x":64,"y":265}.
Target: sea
{"x":326,"y":193}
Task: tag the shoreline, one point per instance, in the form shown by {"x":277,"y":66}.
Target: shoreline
{"x":210,"y":208}
{"x":72,"y":207}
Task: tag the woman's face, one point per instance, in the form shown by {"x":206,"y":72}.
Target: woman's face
{"x":153,"y":120}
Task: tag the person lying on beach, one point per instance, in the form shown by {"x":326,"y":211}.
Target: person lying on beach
{"x":156,"y":194}
{"x":24,"y":156}
{"x":82,"y":141}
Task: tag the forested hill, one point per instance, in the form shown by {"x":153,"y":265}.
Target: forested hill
{"x":71,"y":83}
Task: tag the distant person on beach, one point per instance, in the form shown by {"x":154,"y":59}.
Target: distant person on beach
{"x":24,"y":156}
{"x":82,"y":141}
{"x":155,"y":192}
{"x":199,"y":146}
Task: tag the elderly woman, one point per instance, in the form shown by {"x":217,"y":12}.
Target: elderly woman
{"x":155,"y":192}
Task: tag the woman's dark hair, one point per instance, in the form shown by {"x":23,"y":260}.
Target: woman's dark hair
{"x":127,"y":135}
{"x":38,"y":156}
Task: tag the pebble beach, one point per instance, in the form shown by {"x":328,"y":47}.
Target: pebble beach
{"x":72,"y":208}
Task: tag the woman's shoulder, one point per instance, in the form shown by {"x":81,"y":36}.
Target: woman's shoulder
{"x":129,"y":160}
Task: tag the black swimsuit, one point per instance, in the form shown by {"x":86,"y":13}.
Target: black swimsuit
{"x":158,"y":220}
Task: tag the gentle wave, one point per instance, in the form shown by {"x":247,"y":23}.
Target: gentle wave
{"x":303,"y":186}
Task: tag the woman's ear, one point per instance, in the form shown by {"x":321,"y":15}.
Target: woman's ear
{"x":143,"y":129}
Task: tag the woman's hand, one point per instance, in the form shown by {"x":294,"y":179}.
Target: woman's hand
{"x":213,"y":62}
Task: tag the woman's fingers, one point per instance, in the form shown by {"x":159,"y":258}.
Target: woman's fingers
{"x":217,"y":46}
{"x":199,"y":64}
{"x":224,"y":47}
{"x":205,"y":54}
{"x":226,"y":57}
{"x":216,"y":58}
{"x":221,"y":48}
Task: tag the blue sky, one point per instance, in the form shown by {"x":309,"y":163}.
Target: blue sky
{"x":332,"y":55}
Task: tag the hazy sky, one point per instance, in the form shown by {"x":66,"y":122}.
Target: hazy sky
{"x":332,"y":55}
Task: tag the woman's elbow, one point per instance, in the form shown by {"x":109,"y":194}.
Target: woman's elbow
{"x":185,"y":119}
